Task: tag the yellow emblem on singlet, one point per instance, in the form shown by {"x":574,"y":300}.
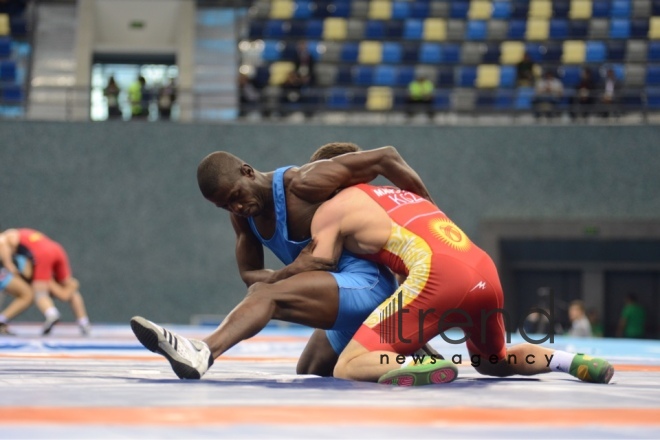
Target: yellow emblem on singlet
{"x":446,"y":231}
{"x":35,"y":236}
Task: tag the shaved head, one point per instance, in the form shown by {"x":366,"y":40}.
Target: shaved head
{"x":218,"y":171}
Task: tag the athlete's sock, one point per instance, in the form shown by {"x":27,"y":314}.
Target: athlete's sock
{"x":561,"y":361}
{"x":84,"y":321}
{"x":52,"y":313}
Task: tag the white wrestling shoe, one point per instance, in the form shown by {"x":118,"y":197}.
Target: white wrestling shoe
{"x":189,"y":358}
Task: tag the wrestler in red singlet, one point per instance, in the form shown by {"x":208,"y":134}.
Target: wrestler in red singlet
{"x":445,"y":271}
{"x":49,"y":258}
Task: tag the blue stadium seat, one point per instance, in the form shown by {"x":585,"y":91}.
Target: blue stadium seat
{"x":323,"y":9}
{"x":653,"y":97}
{"x":520,"y":9}
{"x":18,"y":26}
{"x":654,"y":51}
{"x":405,"y":75}
{"x":492,"y":54}
{"x":552,"y":51}
{"x":620,"y":9}
{"x":570,"y":76}
{"x":410,"y":52}
{"x":441,"y":100}
{"x":261,"y":76}
{"x":12,"y":94}
{"x":349,"y":52}
{"x":392,"y":52}
{"x":508,"y":76}
{"x":289,"y":52}
{"x":374,"y":30}
{"x":445,"y":78}
{"x":298,"y":29}
{"x":363,"y":75}
{"x":256,"y":30}
{"x":578,"y":29}
{"x":272,"y":51}
{"x":338,"y":98}
{"x":600,"y":8}
{"x":394,"y":29}
{"x":338,"y":9}
{"x":5,"y":47}
{"x":559,"y":29}
{"x":344,"y":76}
{"x":385,"y":75}
{"x":419,"y":9}
{"x":466,"y":76}
{"x":639,"y":28}
{"x":596,"y":52}
{"x":302,"y":10}
{"x":400,"y":10}
{"x":413,"y":29}
{"x":655,"y":8}
{"x":485,"y":100}
{"x":620,"y":28}
{"x":616,"y":50}
{"x":504,"y":99}
{"x":501,"y":10}
{"x":314,"y":29}
{"x":430,"y":53}
{"x":523,"y":99}
{"x":313,"y":48}
{"x":517,"y":29}
{"x":459,"y":9}
{"x":476,"y":30}
{"x":653,"y":75}
{"x":452,"y":53}
{"x":630,"y":100}
{"x":274,"y":29}
{"x":535,"y":51}
{"x":561,"y":8}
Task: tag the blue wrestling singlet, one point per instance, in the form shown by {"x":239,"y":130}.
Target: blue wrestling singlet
{"x":363,"y":285}
{"x":5,"y":276}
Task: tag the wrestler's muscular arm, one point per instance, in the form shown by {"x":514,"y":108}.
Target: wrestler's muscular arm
{"x":250,"y":258}
{"x":8,"y":244}
{"x":318,"y":181}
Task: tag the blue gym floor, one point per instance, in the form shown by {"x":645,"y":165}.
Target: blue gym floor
{"x":65,"y":386}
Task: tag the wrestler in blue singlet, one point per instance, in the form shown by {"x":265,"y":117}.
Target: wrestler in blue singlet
{"x":5,"y":276}
{"x":363,"y":285}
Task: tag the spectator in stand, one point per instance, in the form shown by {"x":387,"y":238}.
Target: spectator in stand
{"x":304,"y":64}
{"x":548,"y":94}
{"x":610,"y":87}
{"x":111,"y":93}
{"x":633,"y":319}
{"x":249,"y":95}
{"x":580,"y":325}
{"x":291,"y":91}
{"x":583,"y":100}
{"x":526,"y":72}
{"x":139,"y":98}
{"x":420,"y":95}
{"x":166,"y":99}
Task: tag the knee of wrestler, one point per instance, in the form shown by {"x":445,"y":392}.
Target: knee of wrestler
{"x":342,"y":368}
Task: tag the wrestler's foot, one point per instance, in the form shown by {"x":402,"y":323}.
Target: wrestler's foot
{"x":4,"y":330}
{"x":189,"y":358}
{"x":590,"y":369}
{"x":49,"y":323}
{"x":426,"y":373}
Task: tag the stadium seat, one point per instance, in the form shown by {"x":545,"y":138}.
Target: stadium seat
{"x":392,"y":52}
{"x":488,"y":76}
{"x":344,"y":76}
{"x":444,"y":78}
{"x":419,"y":9}
{"x":330,"y":51}
{"x":12,"y":94}
{"x":400,"y":10}
{"x":452,"y":53}
{"x":536,"y":51}
{"x":455,"y":30}
{"x":467,"y":76}
{"x":501,"y":10}
{"x":635,"y":76}
{"x":326,"y":74}
{"x":558,"y":29}
{"x":5,"y":29}
{"x":334,"y":28}
{"x":281,"y":9}
{"x":410,"y":52}
{"x":517,"y":29}
{"x":374,"y":29}
{"x":616,"y":50}
{"x":553,"y":51}
{"x":430,"y":53}
{"x":463,"y":99}
{"x":314,"y":29}
{"x":480,"y":10}
{"x":620,"y":28}
{"x":5,"y":48}
{"x":272,"y":50}
{"x":596,"y":52}
{"x":413,"y":29}
{"x":600,"y":9}
{"x":504,"y":99}
{"x":338,"y":98}
{"x":654,"y":51}
{"x":580,"y":9}
{"x":7,"y":71}
{"x":578,"y":29}
{"x":341,"y":8}
{"x":380,"y":10}
{"x":442,"y":100}
{"x":302,"y":10}
{"x":655,"y":8}
{"x":360,"y":9}
{"x":599,"y":29}
{"x":561,"y":8}
{"x":370,"y":52}
{"x":261,"y":76}
{"x":256,"y":30}
{"x":653,"y":75}
{"x":279,"y":71}
{"x":520,"y":9}
{"x":508,"y":76}
{"x":636,"y":51}
{"x":485,"y":100}
{"x":639,"y":28}
{"x":459,"y":9}
{"x":435,"y":29}
{"x":653,"y":97}
{"x":472,"y":53}
{"x":355,"y":29}
{"x":492,"y":54}
{"x":523,"y":98}
{"x":385,"y":76}
{"x":274,"y":29}
{"x":405,"y":75}
{"x":512,"y":52}
{"x":394,"y":29}
{"x":379,"y":98}
{"x":497,"y":29}
{"x":654,"y":28}
{"x":620,"y":9}
{"x":439,"y":9}
{"x":297,"y":29}
{"x":349,"y":52}
{"x":363,"y":75}
{"x":540,"y":9}
{"x":570,"y":76}
{"x":476,"y":30}
{"x":641,"y":9}
{"x":538,"y":29}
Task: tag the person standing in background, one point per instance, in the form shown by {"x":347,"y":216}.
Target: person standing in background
{"x":633,"y":319}
{"x":111,"y":93}
{"x":580,"y":325}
